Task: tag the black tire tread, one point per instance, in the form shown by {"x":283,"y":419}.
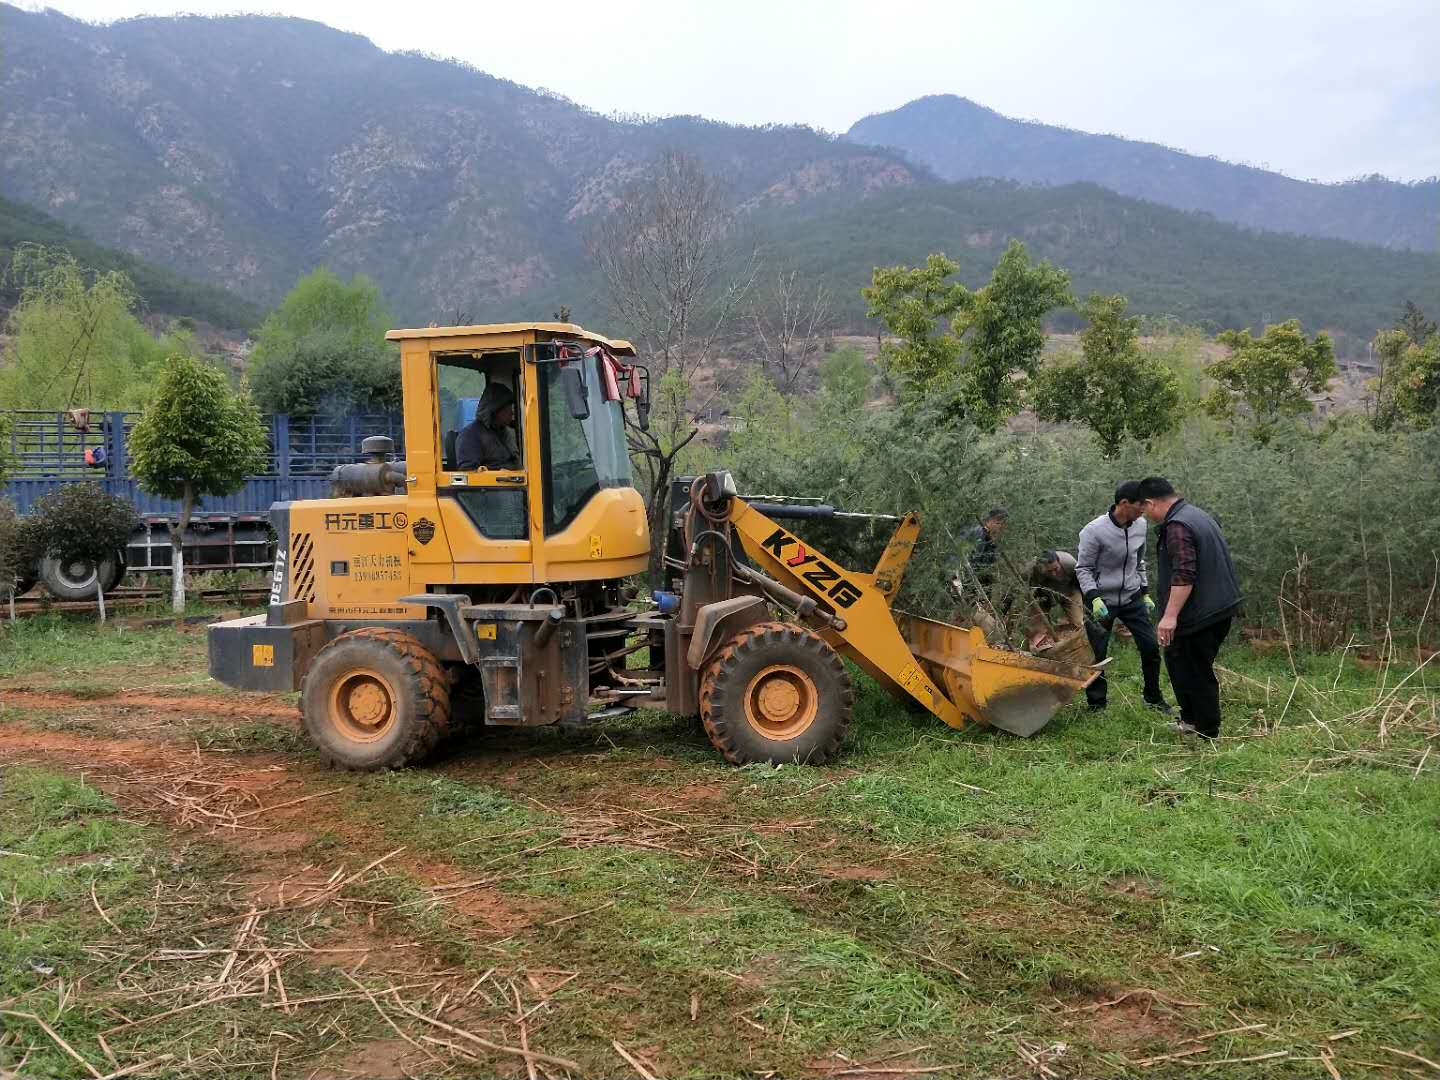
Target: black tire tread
{"x":431,"y":690}
{"x":717,"y":693}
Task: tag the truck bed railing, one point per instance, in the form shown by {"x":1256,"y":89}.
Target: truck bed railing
{"x":44,"y":450}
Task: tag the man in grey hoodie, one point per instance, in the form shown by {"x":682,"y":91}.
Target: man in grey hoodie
{"x":1110,"y":566}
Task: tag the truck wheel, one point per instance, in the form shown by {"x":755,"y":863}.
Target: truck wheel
{"x":375,"y":699}
{"x":74,"y":579}
{"x":776,"y":693}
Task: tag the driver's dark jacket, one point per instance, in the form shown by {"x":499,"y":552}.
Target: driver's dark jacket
{"x":480,"y":446}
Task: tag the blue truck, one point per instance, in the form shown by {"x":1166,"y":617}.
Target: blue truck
{"x":45,"y":450}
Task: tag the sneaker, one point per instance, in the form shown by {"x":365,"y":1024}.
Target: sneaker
{"x":1181,"y":728}
{"x":1160,"y":707}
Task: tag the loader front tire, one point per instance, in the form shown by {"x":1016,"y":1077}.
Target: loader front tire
{"x":375,"y":699}
{"x":776,"y":693}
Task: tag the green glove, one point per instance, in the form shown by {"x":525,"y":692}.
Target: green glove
{"x":1149,"y":603}
{"x":1098,"y":608}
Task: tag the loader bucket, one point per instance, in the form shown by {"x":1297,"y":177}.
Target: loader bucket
{"x":1013,"y":691}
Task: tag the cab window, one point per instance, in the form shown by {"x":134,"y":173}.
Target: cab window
{"x":480,"y":392}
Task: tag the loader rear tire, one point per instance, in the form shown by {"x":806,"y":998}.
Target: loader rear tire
{"x":777,"y":693}
{"x":375,"y":699}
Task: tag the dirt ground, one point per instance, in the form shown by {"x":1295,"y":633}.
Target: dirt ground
{"x":615,"y":903}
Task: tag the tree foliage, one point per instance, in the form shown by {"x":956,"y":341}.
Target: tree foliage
{"x":1271,"y":377}
{"x":324,"y":349}
{"x":1167,"y":262}
{"x":988,"y":337}
{"x":160,"y":288}
{"x":74,"y":339}
{"x":917,"y":305}
{"x":1002,"y":329}
{"x":1113,"y":388}
{"x":80,"y":523}
{"x":198,"y":437}
{"x":10,"y":548}
{"x":1417,"y":390}
{"x":1416,"y":327}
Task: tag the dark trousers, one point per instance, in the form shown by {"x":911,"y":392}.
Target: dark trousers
{"x":1190,"y":659}
{"x":1137,"y":621}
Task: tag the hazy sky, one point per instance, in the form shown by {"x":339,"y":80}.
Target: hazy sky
{"x":1323,"y":89}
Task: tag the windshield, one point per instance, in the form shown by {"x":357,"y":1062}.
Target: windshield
{"x":581,"y":456}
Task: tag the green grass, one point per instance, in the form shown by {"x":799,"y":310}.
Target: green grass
{"x":957,"y":890}
{"x":64,"y":644}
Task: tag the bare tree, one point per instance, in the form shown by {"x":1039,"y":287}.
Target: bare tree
{"x":677,"y":273}
{"x":789,"y":319}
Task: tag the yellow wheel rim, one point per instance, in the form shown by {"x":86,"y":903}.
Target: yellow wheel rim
{"x":781,"y":702}
{"x":362,"y":705}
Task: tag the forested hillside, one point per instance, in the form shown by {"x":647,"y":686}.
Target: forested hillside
{"x":247,"y":150}
{"x":1168,"y":262}
{"x":161,"y":290}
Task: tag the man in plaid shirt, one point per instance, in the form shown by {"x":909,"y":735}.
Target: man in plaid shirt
{"x":1199,"y":595}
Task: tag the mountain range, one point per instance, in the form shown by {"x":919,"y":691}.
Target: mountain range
{"x":245,"y":150}
{"x":961,"y":140}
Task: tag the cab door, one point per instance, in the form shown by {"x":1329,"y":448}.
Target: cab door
{"x":483,"y":510}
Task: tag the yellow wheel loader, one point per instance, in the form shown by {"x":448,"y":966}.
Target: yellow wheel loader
{"x":483,"y":581}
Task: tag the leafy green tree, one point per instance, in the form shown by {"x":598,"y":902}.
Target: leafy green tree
{"x":917,"y":304}
{"x":1271,"y":376}
{"x":73,"y":338}
{"x":993,"y":334}
{"x":1003,"y":331}
{"x":1415,"y":325}
{"x":198,"y":437}
{"x":81,"y":523}
{"x":845,"y":377}
{"x":1113,"y":388}
{"x":324,"y":348}
{"x":1389,"y":349}
{"x":1417,"y":389}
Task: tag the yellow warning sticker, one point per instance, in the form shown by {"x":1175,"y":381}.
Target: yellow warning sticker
{"x":485,"y":631}
{"x":262,"y":655}
{"x":911,"y":679}
{"x":597,"y":547}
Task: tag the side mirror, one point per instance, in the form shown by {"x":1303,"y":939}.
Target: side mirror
{"x":574,"y":386}
{"x":640,"y":391}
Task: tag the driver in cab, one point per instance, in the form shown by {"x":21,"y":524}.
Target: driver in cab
{"x":488,"y":441}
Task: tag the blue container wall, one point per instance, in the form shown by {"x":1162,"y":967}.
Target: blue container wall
{"x":45,"y":451}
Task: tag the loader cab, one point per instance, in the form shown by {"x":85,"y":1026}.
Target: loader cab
{"x":550,"y":494}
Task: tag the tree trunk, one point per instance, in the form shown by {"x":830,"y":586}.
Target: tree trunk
{"x":177,"y":553}
{"x":659,"y":522}
{"x":12,"y":603}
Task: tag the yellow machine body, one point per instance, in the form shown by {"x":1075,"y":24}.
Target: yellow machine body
{"x":430,"y":594}
{"x":354,"y":558}
{"x":950,"y":670}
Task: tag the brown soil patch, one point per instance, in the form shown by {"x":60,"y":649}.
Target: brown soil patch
{"x":377,"y":1059}
{"x":497,"y":913}
{"x":190,"y":705}
{"x":1137,"y":1020}
{"x":279,"y":843}
{"x":854,"y":873}
{"x":16,"y":742}
{"x":1129,"y":885}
